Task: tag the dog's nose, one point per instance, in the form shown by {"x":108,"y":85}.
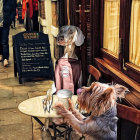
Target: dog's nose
{"x":79,"y":91}
{"x":60,"y":38}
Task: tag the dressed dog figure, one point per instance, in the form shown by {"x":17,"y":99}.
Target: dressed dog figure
{"x":66,"y":76}
{"x":70,"y":36}
{"x":99,"y":100}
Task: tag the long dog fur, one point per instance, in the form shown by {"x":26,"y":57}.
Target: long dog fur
{"x":99,"y":100}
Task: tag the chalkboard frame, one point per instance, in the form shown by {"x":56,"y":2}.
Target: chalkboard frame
{"x":41,"y":38}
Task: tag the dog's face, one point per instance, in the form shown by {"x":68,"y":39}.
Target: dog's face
{"x":66,"y":35}
{"x":69,"y":34}
{"x":99,"y":97}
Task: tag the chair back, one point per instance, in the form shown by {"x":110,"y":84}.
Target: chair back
{"x":94,"y":72}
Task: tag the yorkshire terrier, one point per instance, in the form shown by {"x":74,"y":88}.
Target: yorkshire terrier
{"x":99,"y":100}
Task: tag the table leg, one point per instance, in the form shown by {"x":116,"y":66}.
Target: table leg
{"x":54,"y":129}
{"x":69,"y":130}
{"x":44,"y":127}
{"x":47,"y":120}
{"x":38,"y":121}
{"x":66,"y":134}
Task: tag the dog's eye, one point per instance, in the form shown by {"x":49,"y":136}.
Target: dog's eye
{"x":70,"y":32}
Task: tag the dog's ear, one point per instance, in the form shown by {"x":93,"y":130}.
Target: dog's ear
{"x":120,"y":90}
{"x":79,"y":38}
{"x":106,"y":95}
{"x":102,"y":103}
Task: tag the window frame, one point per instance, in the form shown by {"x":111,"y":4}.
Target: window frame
{"x":122,"y":63}
{"x":108,"y":57}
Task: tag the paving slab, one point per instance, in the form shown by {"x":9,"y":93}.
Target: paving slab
{"x":32,"y":94}
{"x":30,"y":91}
{"x":38,"y":81}
{"x":16,"y":132}
{"x":2,"y":69}
{"x":46,"y":136}
{"x":12,"y":102}
{"x":10,"y":74}
{"x":41,"y":88}
{"x":37,"y":135}
{"x":10,"y":68}
{"x":3,"y":75}
{"x":13,"y":116}
{"x":6,"y":91}
{"x":21,"y":90}
{"x":9,"y":81}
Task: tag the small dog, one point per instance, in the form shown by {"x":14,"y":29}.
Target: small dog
{"x":69,"y":36}
{"x":99,"y":100}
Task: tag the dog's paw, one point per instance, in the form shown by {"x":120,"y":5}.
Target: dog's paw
{"x":60,"y":109}
{"x":70,"y":105}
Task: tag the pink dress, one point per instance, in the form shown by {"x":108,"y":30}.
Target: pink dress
{"x":67,"y":74}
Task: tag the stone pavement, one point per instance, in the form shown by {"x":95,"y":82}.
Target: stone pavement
{"x":15,"y":125}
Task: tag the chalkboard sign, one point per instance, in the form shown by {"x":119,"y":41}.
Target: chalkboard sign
{"x":32,"y":57}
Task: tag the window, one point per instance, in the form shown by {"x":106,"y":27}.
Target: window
{"x":120,"y":35}
{"x":111,"y":27}
{"x":134,"y":51}
{"x":133,"y":65}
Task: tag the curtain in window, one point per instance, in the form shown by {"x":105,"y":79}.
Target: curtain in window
{"x":111,"y":26}
{"x":134,"y":44}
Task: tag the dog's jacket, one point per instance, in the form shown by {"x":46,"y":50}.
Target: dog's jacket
{"x":105,"y":126}
{"x":67,"y":74}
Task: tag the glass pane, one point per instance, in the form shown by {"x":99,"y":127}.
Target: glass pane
{"x":134,"y":44}
{"x":111,"y":26}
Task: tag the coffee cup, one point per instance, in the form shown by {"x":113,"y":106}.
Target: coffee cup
{"x":63,"y":96}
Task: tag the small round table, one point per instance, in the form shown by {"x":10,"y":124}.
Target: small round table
{"x":34,"y":108}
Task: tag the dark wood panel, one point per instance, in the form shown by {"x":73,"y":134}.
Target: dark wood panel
{"x":116,"y":73}
{"x":133,"y":71}
{"x":127,"y":30}
{"x":110,"y":58}
{"x":101,"y":22}
{"x":95,"y":28}
{"x":127,"y":130}
{"x":128,"y":113}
